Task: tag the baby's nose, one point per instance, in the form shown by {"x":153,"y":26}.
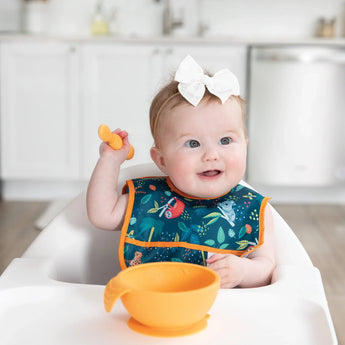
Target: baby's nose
{"x":211,"y":154}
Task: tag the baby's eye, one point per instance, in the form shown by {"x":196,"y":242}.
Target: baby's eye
{"x":225,"y":141}
{"x":192,"y":143}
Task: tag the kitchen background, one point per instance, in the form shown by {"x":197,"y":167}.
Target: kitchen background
{"x":61,"y":60}
{"x":264,"y":18}
{"x":67,"y":66}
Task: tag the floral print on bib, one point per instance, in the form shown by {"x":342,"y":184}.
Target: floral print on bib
{"x":162,"y":224}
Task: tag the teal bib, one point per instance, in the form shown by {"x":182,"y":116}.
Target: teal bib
{"x":162,"y":224}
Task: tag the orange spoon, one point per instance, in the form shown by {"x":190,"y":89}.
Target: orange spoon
{"x":113,"y":140}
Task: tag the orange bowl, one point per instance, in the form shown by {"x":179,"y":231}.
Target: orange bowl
{"x":164,"y":295}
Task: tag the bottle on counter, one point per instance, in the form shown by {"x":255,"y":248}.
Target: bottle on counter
{"x":326,"y":27}
{"x":99,"y":24}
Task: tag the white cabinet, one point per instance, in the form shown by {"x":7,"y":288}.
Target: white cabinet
{"x":54,"y":95}
{"x":116,"y":90}
{"x":120,"y":80}
{"x":39,"y":111}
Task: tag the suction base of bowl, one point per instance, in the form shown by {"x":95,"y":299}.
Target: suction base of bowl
{"x":159,"y":332}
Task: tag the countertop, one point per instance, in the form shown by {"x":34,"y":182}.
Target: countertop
{"x":228,"y":40}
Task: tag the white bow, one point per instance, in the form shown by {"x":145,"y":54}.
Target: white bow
{"x":192,"y":82}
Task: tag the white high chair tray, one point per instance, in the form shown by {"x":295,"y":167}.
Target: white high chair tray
{"x":74,"y":314}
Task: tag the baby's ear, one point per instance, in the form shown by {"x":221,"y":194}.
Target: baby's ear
{"x":158,"y":158}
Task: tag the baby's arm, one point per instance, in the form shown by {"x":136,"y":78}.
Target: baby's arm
{"x":105,"y":207}
{"x":254,"y":271}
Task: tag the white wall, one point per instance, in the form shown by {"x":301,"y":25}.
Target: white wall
{"x":74,"y":17}
{"x":272,"y":18}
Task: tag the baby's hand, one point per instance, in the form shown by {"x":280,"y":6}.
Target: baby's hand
{"x":121,"y":153}
{"x":114,"y":139}
{"x":229,"y":267}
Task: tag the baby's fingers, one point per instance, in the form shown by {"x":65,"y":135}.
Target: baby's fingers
{"x":215,"y":257}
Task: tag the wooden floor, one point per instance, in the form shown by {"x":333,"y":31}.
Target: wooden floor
{"x":320,"y":228}
{"x":17,"y":228}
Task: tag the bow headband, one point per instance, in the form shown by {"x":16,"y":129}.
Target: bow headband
{"x":192,"y":82}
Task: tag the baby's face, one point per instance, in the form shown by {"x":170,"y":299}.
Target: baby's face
{"x":203,"y":149}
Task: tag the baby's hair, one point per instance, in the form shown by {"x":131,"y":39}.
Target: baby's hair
{"x":169,"y":97}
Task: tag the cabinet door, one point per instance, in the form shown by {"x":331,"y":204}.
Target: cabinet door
{"x":39,"y":111}
{"x":117,"y":82}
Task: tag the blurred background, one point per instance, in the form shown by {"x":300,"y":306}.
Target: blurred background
{"x":66,"y":66}
{"x":230,"y":18}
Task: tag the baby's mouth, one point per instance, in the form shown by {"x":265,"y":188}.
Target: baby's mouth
{"x":210,"y":173}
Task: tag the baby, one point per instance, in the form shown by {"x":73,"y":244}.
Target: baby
{"x":199,"y":212}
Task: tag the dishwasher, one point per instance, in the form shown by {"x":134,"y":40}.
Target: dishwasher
{"x":296,"y":116}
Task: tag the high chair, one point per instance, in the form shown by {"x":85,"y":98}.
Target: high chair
{"x":54,"y":292}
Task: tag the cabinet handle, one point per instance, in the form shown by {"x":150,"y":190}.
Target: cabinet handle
{"x":303,"y":58}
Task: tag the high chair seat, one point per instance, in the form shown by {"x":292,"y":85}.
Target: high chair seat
{"x":69,"y":263}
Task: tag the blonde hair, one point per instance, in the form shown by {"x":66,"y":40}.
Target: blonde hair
{"x":169,"y":97}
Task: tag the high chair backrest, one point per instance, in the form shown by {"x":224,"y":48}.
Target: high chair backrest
{"x":79,"y":253}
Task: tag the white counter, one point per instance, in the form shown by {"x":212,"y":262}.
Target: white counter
{"x":337,"y":41}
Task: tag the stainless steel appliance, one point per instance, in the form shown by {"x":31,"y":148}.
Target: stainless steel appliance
{"x":297,"y":116}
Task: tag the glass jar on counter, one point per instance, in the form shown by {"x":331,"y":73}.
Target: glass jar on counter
{"x":326,"y":27}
